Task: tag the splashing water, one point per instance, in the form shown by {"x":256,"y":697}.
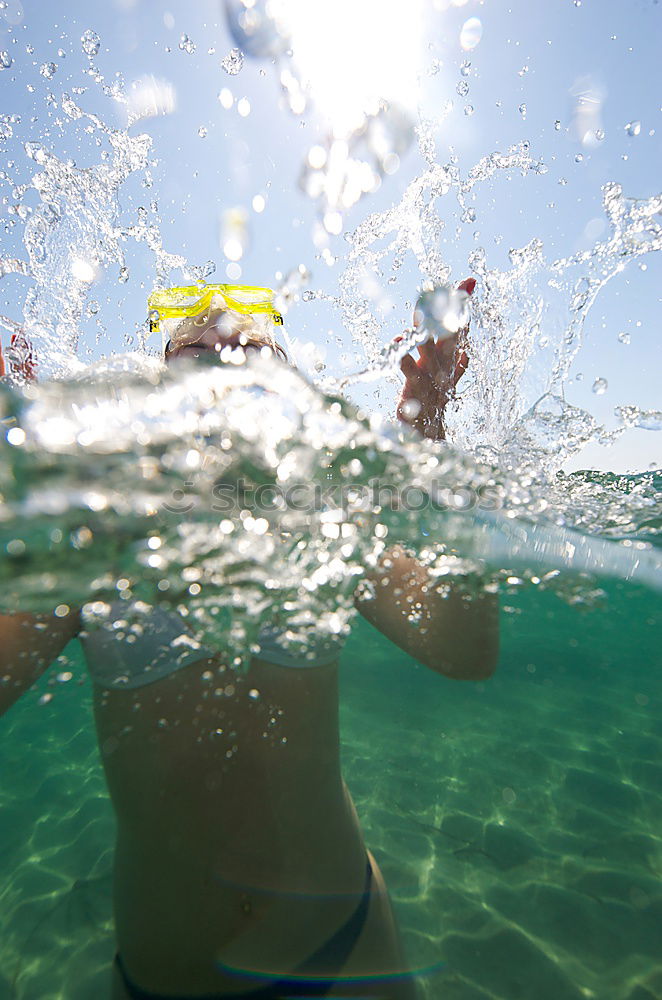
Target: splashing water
{"x":230,"y":503}
{"x":75,"y":232}
{"x":337,"y":174}
{"x":136,"y":463}
{"x":527,"y":322}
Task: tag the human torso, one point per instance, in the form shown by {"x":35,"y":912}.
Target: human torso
{"x":237,"y":840}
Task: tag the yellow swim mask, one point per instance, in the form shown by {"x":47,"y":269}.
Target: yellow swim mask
{"x":252,"y":306}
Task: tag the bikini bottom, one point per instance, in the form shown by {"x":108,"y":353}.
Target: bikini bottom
{"x":303,"y":982}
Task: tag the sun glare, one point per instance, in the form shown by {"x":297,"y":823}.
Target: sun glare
{"x":351,"y":54}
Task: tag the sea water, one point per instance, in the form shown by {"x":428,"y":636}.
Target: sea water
{"x":516,"y":820}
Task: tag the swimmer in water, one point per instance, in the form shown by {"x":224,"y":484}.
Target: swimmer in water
{"x":246,"y":874}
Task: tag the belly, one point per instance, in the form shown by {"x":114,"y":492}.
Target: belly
{"x":235,"y":832}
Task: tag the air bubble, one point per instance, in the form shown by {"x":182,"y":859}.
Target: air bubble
{"x":48,"y":70}
{"x":633,"y":128}
{"x":462,"y":88}
{"x":202,"y":132}
{"x":600,"y":386}
{"x":557,"y":125}
{"x":522,"y":110}
{"x":469,"y":110}
{"x":5,"y":59}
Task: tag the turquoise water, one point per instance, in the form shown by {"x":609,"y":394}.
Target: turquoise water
{"x":517,"y":821}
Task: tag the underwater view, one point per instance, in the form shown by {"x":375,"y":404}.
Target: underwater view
{"x":330,"y":500}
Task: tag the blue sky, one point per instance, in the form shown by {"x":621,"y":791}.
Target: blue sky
{"x":550,"y":57}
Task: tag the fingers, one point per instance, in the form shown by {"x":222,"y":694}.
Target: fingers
{"x":461,"y":366}
{"x":467,"y":285}
{"x":408,"y":367}
{"x":428,"y":355}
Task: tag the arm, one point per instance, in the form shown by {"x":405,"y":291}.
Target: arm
{"x":28,"y":646}
{"x":28,"y":643}
{"x":452,"y":628}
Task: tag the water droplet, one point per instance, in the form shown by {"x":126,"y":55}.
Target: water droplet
{"x":557,"y":125}
{"x":599,"y":134}
{"x":333,"y":223}
{"x":124,"y":274}
{"x":48,"y":70}
{"x":523,"y":71}
{"x":469,"y":110}
{"x":35,"y":151}
{"x":562,"y":181}
{"x":92,"y":307}
{"x":462,"y":88}
{"x":186,"y":45}
{"x":469,"y":215}
{"x":233,"y":62}
{"x":90,"y":42}
{"x":471,"y":33}
{"x":522,"y":110}
{"x":579,"y":157}
{"x":202,"y":132}
{"x":442,"y":311}
{"x":255,"y":29}
{"x":633,"y":128}
{"x":624,"y":337}
{"x":600,"y":386}
{"x":5,"y":59}
{"x":465,"y":68}
{"x":226,"y":98}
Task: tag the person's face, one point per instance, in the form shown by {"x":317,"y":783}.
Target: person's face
{"x":218,"y":335}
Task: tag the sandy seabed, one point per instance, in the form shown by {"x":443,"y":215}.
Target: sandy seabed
{"x":518,"y":822}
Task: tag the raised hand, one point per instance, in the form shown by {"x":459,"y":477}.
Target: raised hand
{"x":430,"y":381}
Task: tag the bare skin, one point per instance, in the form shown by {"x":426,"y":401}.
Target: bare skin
{"x":263,"y":859}
{"x":238,"y":845}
